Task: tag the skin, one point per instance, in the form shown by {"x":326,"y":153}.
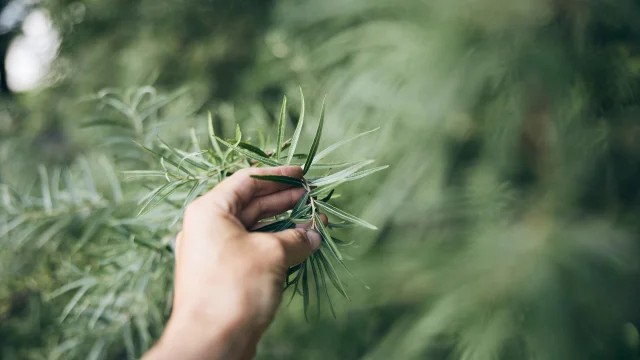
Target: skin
{"x":228,"y":281}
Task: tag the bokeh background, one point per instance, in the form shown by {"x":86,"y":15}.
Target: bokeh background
{"x":508,"y":218}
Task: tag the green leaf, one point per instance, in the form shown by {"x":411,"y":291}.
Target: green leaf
{"x":281,"y":126}
{"x":238,"y":133}
{"x":315,"y":281}
{"x":330,"y":209}
{"x":213,"y":138}
{"x":184,"y":158}
{"x":47,"y":201}
{"x":252,"y":148}
{"x":341,"y":225}
{"x":361,"y":174}
{"x":326,"y":236}
{"x":296,"y":281}
{"x":316,"y":141}
{"x":297,"y":132}
{"x":331,"y":272}
{"x":340,"y":175}
{"x":275,"y":226}
{"x":280,"y":179}
{"x":167,"y":189}
{"x":325,"y":188}
{"x":305,"y":289}
{"x":337,"y":145}
{"x":106,"y":122}
{"x":324,"y":283}
{"x":167,"y":160}
{"x":249,"y":154}
{"x":328,"y":197}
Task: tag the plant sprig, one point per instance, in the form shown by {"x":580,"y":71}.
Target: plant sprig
{"x":197,"y":171}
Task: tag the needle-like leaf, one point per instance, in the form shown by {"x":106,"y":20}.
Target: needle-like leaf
{"x":213,"y":138}
{"x":321,"y":155}
{"x":249,"y":154}
{"x":316,"y":141}
{"x":343,"y":215}
{"x":280,"y":179}
{"x":253,"y":148}
{"x":326,"y":237}
{"x":297,"y":132}
{"x":281,"y":127}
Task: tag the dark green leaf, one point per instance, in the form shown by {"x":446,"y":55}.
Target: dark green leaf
{"x":316,"y":141}
{"x":250,"y":154}
{"x":281,"y":126}
{"x":324,"y":282}
{"x":305,"y":289}
{"x":280,"y":179}
{"x":252,"y":148}
{"x":331,"y":272}
{"x":326,"y":236}
{"x":213,"y":138}
{"x":276,"y":226}
{"x":315,"y":281}
{"x":328,"y":197}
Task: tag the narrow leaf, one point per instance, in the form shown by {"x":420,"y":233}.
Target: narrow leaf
{"x":305,"y":289}
{"x":280,"y":179}
{"x":275,"y":226}
{"x":322,"y":154}
{"x":340,"y":175}
{"x":315,"y":281}
{"x":252,"y":148}
{"x":281,"y":126}
{"x":327,"y":237}
{"x":298,"y":131}
{"x":316,"y":141}
{"x":324,"y":283}
{"x":331,"y":272}
{"x":343,"y":215}
{"x":361,"y":174}
{"x":250,"y":154}
{"x":213,"y":138}
{"x":106,"y":122}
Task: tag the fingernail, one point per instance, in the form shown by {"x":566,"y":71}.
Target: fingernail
{"x":314,"y":239}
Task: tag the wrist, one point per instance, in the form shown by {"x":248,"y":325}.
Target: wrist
{"x":192,"y":337}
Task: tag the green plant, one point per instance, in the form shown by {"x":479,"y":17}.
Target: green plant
{"x":200,"y":169}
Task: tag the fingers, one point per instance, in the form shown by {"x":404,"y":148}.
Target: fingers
{"x":269,"y":205}
{"x":298,"y":244}
{"x":236,"y":192}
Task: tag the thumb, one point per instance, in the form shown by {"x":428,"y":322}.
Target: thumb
{"x":298,"y":244}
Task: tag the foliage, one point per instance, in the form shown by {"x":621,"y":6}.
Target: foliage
{"x":124,"y":296}
{"x":508,"y":224}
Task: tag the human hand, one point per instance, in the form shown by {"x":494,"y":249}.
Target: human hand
{"x":228,"y":281}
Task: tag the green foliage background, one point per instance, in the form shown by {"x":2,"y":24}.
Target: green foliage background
{"x":508,"y":217}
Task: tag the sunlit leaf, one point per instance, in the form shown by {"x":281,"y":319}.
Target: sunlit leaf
{"x":330,"y":209}
{"x":322,"y":154}
{"x":297,"y":132}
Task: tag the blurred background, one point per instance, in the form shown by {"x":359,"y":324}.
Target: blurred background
{"x":508,"y":218}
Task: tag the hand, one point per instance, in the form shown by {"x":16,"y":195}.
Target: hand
{"x":228,"y":281}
